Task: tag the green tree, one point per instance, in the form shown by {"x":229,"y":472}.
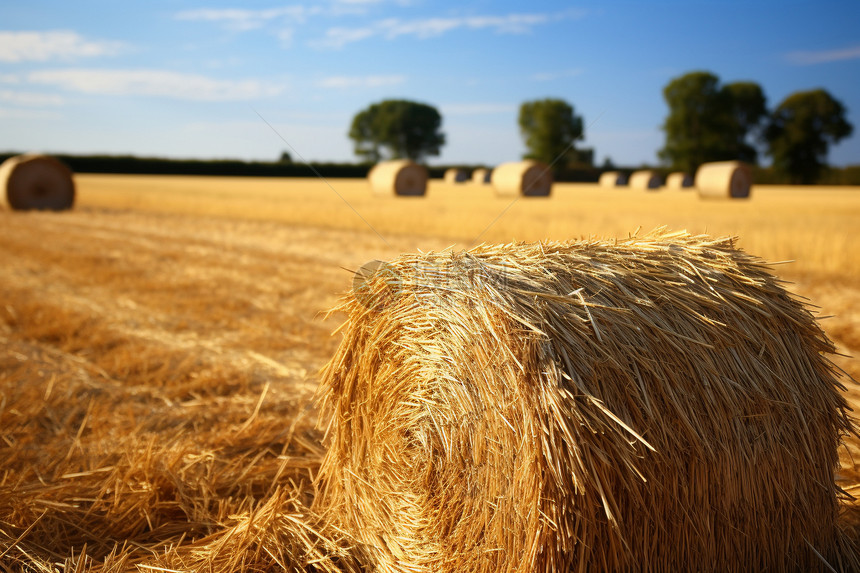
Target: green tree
{"x":550,"y":127}
{"x":710,"y":122}
{"x":800,"y":132}
{"x":397,"y":129}
{"x":692,"y":127}
{"x":748,"y":109}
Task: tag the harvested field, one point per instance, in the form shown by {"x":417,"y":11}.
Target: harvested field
{"x":160,"y":345}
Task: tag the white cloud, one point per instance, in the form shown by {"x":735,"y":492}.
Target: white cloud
{"x":242,"y":20}
{"x":223,"y":63}
{"x":392,"y":28}
{"x":345,"y":82}
{"x":477,"y":108}
{"x":10,"y":79}
{"x":823,"y":56}
{"x":159,"y":83}
{"x":430,"y":27}
{"x":426,"y":28}
{"x":550,"y":76}
{"x":28,"y":114}
{"x":285,"y":37}
{"x":339,"y":37}
{"x":52,"y":45}
{"x":510,"y":24}
{"x":30,"y":99}
{"x":353,"y":7}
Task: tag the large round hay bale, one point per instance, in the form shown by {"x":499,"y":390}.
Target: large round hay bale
{"x":528,"y":178}
{"x":455,"y":175}
{"x":679,"y":180}
{"x":481,"y":175}
{"x":34,"y":181}
{"x":645,"y":179}
{"x":398,"y":177}
{"x":612,"y":179}
{"x":724,"y":180}
{"x":650,"y":404}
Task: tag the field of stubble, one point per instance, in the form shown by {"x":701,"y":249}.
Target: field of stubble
{"x":159,"y":345}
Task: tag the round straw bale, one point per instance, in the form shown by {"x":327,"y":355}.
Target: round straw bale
{"x":679,"y":180}
{"x":398,"y":177}
{"x":724,"y":180}
{"x":455,"y":175}
{"x":612,"y":179}
{"x":481,"y":175}
{"x":528,"y":178}
{"x":34,"y":181}
{"x":645,"y":179}
{"x":649,"y":404}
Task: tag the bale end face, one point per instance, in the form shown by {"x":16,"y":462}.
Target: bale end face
{"x":648,"y":180}
{"x":724,"y":180}
{"x":400,"y":177}
{"x":612,"y":179}
{"x":455,"y":175}
{"x":37,"y":182}
{"x":525,"y":178}
{"x":599,"y":405}
{"x":481,"y":176}
{"x":679,"y":180}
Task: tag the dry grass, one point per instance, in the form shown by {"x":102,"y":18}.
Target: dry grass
{"x":160,"y":344}
{"x":815,"y":227}
{"x":154,"y":393}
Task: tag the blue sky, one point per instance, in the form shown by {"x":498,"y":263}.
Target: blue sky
{"x":188,"y":78}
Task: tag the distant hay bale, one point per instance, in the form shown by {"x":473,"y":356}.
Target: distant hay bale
{"x":612,"y":179}
{"x":455,"y":175}
{"x":656,"y":403}
{"x":645,"y":179}
{"x":398,"y":177}
{"x":528,"y":178}
{"x":679,"y":180}
{"x":724,"y":180}
{"x":481,"y":175}
{"x":34,"y":181}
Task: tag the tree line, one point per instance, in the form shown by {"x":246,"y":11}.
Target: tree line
{"x":707,"y":121}
{"x":712,"y":122}
{"x":132,"y":164}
